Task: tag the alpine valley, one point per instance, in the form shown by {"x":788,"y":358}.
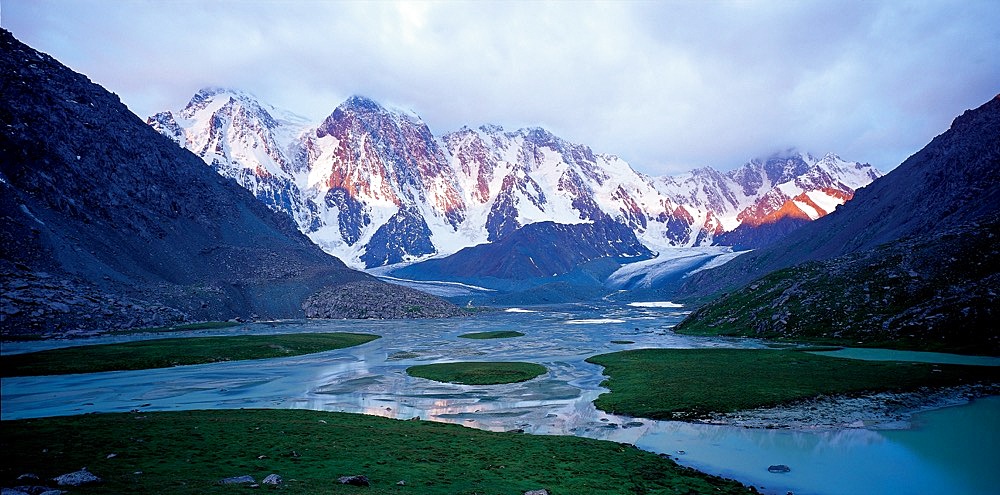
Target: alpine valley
{"x":375,"y":186}
{"x":671,"y":336}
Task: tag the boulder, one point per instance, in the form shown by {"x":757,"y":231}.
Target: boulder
{"x":246,"y":478}
{"x":537,"y":492}
{"x":778,"y":468}
{"x":78,"y":478}
{"x":272,"y":479}
{"x":356,"y":480}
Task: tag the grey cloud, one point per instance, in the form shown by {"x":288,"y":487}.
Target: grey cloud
{"x":665,"y":85}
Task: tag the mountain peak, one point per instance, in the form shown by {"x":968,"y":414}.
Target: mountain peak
{"x":361,"y":102}
{"x":365,"y":105}
{"x":207,"y":95}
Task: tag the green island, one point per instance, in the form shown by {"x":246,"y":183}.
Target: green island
{"x":478,"y":373}
{"x":498,"y":334}
{"x":189,"y":452}
{"x":692,"y":383}
{"x":165,"y":353}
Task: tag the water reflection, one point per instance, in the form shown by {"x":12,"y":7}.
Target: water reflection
{"x":371,"y":379}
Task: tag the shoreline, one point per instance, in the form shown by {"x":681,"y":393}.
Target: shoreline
{"x":876,"y":411}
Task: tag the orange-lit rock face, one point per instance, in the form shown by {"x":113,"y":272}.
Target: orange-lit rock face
{"x":386,"y":157}
{"x":769,"y":210}
{"x":712,"y":225}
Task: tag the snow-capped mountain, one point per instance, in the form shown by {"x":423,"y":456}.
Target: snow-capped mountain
{"x":374,"y":186}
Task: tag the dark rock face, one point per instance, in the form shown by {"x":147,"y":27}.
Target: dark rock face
{"x":353,"y":217}
{"x":405,"y":234}
{"x":123,"y":221}
{"x":953,"y":180}
{"x":748,"y":236}
{"x":543,"y":249}
{"x":367,"y":299}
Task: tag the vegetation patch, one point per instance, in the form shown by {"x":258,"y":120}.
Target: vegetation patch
{"x":478,"y":373}
{"x":164,"y":353}
{"x":499,"y":334}
{"x":189,"y":452}
{"x":692,"y":383}
{"x":623,"y":342}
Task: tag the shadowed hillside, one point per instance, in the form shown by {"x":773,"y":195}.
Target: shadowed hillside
{"x":105,"y":223}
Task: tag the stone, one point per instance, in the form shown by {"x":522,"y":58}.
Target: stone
{"x":77,"y":478}
{"x":272,"y":479}
{"x":53,"y":492}
{"x":356,"y":480}
{"x":28,"y":476}
{"x":246,"y":478}
{"x":401,"y":482}
{"x":12,"y":491}
{"x":537,"y":492}
{"x":778,"y":468}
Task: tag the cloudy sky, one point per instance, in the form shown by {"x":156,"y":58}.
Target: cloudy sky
{"x":667,"y":85}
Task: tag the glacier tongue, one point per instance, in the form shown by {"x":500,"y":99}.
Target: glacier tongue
{"x":374,"y":186}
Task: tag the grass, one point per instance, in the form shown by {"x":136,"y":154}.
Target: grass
{"x":164,"y":353}
{"x":189,"y":452}
{"x":478,"y":373}
{"x":691,"y":383}
{"x":499,"y":334}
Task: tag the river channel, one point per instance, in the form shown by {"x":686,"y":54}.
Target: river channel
{"x":948,"y":450}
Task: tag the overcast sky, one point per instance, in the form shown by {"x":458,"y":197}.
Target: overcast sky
{"x":666,"y":85}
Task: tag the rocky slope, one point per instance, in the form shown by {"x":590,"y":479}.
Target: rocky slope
{"x":108,"y":224}
{"x":374,"y":186}
{"x":913,"y":261}
{"x":937,"y":291}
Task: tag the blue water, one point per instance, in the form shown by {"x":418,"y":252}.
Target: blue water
{"x":951,"y":450}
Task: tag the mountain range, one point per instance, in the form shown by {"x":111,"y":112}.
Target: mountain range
{"x":374,"y":186}
{"x":107,"y":224}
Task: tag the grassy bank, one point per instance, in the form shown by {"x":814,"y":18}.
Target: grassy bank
{"x":189,"y":452}
{"x":164,"y":353}
{"x":690,"y":383}
{"x":499,"y":334}
{"x":478,"y":373}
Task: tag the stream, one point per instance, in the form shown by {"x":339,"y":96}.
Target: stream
{"x":947,"y":450}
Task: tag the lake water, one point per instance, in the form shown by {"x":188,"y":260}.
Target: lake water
{"x":950,"y":450}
